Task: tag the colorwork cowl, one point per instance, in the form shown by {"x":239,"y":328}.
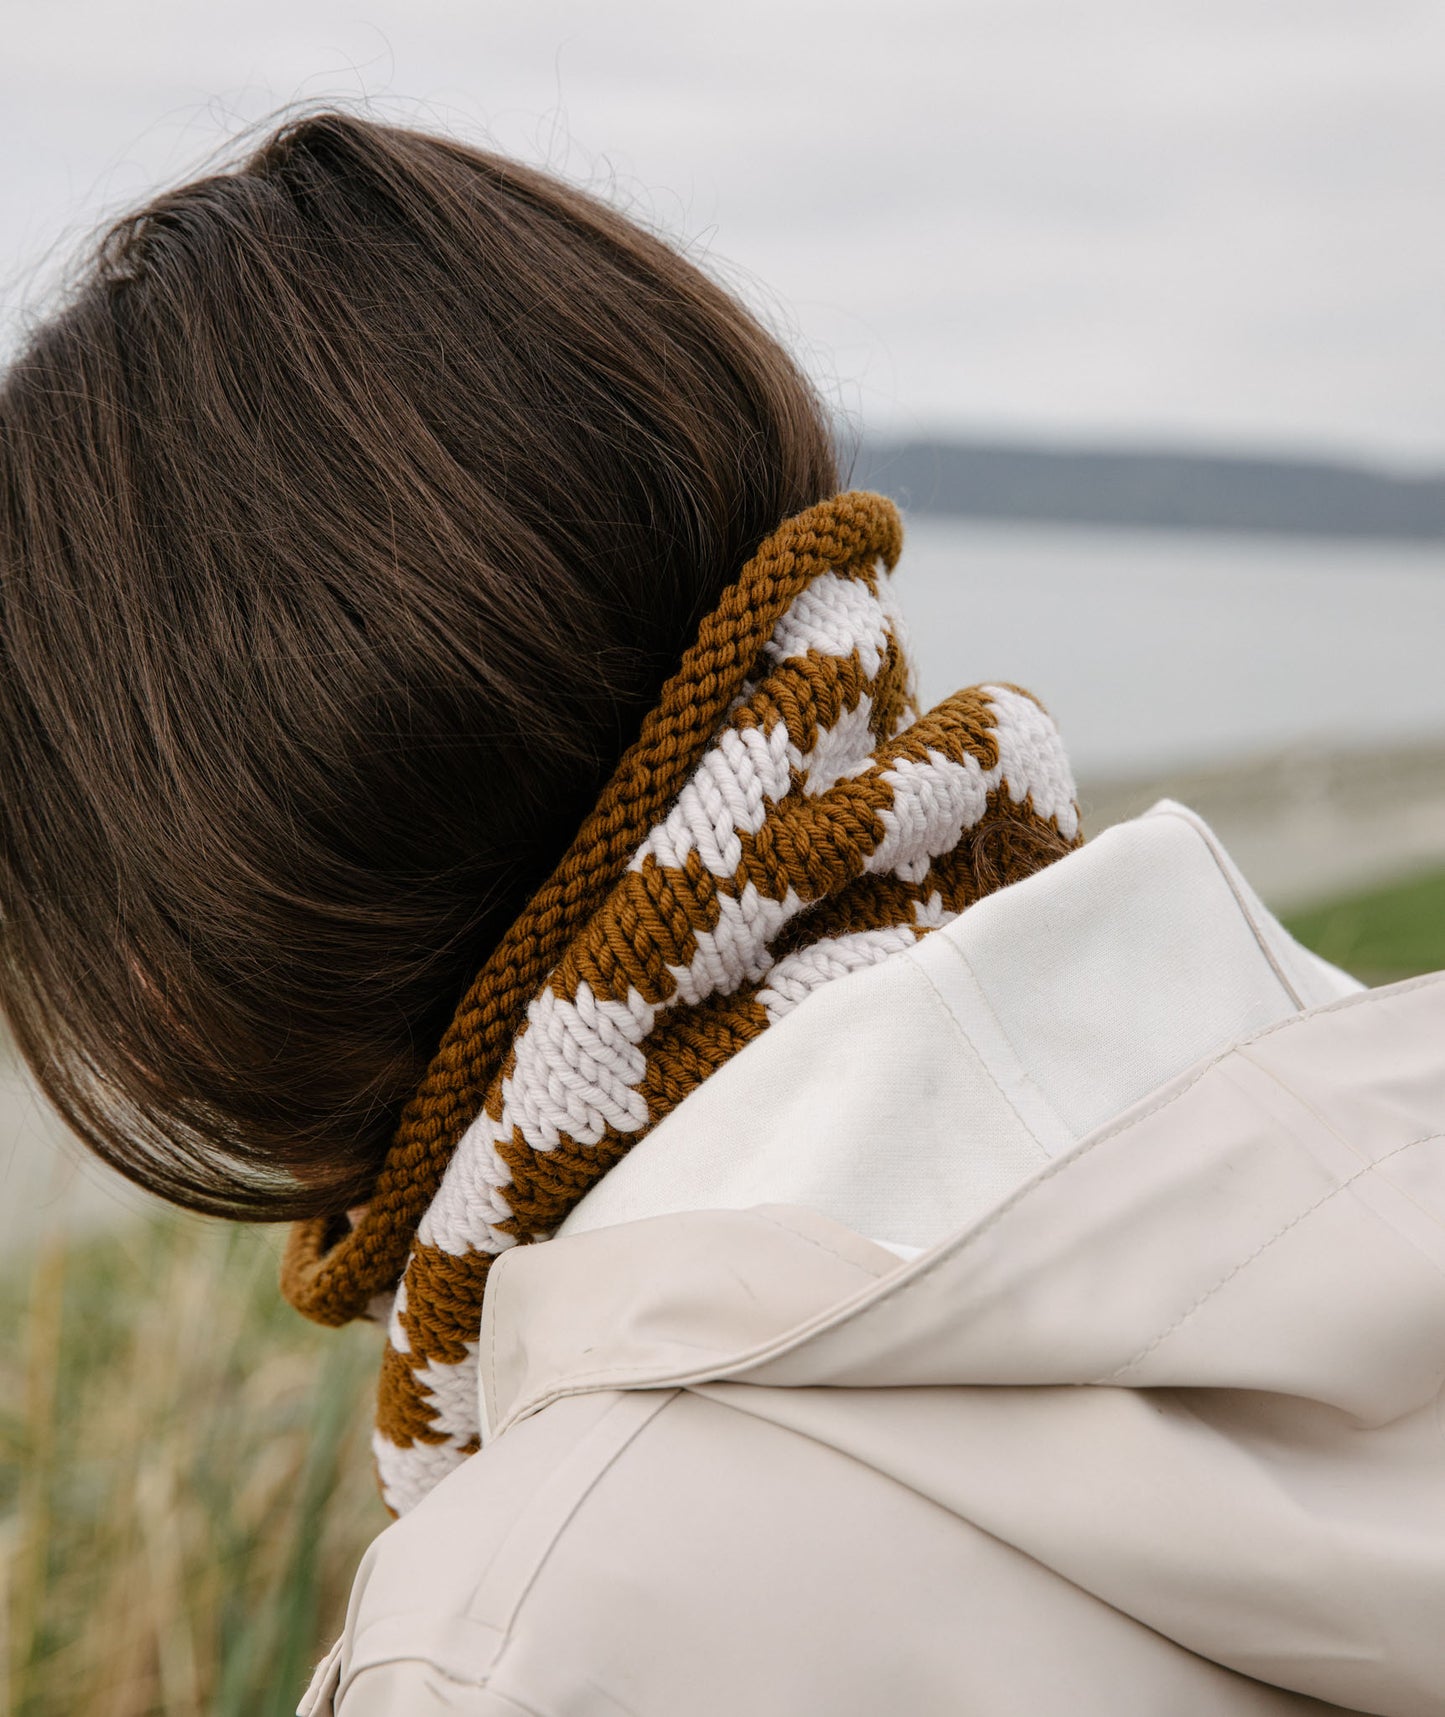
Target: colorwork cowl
{"x":786,"y":816}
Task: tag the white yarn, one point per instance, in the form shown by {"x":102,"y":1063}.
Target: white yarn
{"x":1032,"y":760}
{"x":578,"y":1064}
{"x":933,"y":803}
{"x":840,"y":751}
{"x":736,"y":781}
{"x":735,"y":952}
{"x":407,"y":1476}
{"x":796,"y":976}
{"x":897,"y":623}
{"x":469,"y":1201}
{"x":450,"y":1392}
{"x":834,"y":616}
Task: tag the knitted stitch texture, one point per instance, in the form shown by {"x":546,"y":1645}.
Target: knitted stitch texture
{"x":786,"y":816}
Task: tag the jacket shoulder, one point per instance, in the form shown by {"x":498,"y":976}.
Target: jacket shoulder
{"x":688,"y":1554}
{"x":417,"y":1687}
{"x":437,"y":1597}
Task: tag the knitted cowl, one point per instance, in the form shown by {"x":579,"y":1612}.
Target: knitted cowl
{"x":786,"y":816}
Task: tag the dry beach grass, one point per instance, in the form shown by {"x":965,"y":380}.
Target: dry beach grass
{"x":185,"y":1485}
{"x":184,"y":1479}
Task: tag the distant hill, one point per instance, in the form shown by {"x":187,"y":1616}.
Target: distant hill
{"x":1162,"y":491}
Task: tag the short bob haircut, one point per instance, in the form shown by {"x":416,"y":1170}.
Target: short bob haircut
{"x":353,"y":510}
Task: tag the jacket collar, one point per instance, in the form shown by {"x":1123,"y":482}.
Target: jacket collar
{"x":1199,"y":1239}
{"x":908,"y":1099}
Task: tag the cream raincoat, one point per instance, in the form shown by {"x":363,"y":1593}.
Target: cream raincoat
{"x":1050,"y":1319}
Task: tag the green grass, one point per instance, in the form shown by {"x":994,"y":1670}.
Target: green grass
{"x":185,"y":1483}
{"x":1380,"y":934}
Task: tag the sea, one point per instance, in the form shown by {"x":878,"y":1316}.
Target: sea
{"x":1155,"y":651}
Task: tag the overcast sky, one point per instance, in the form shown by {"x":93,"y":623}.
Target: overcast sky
{"x":1190,"y":220}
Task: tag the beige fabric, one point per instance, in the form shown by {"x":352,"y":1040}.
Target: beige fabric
{"x":908,"y":1099}
{"x":1160,"y":1433}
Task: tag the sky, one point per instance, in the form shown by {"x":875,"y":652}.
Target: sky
{"x":1212,"y":222}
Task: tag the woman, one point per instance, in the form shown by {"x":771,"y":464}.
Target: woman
{"x":466,"y":791}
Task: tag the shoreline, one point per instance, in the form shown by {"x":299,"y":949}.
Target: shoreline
{"x":1306,"y":822}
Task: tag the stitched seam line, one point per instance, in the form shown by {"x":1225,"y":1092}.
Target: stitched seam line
{"x":821,"y":1246}
{"x":488,"y":1383}
{"x":1314,"y":1114}
{"x":484,"y":1686}
{"x":1123,"y":1127}
{"x":1259,"y":1251}
{"x":903,"y":1281}
{"x":959,"y":1032}
{"x":505,"y":1633}
{"x":1216,"y":853}
{"x":704,"y":1393}
{"x":649,"y":1418}
{"x":752,"y":1357}
{"x":869,"y":1276}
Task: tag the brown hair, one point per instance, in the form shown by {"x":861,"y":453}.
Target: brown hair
{"x":352,"y":513}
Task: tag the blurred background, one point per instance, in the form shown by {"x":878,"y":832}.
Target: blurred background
{"x":1137,"y":306}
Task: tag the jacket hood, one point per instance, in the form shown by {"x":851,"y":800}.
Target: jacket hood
{"x":1202,"y":1206}
{"x":1194,"y":1363}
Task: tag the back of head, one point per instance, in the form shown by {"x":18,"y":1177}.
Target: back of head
{"x":352,"y":513}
